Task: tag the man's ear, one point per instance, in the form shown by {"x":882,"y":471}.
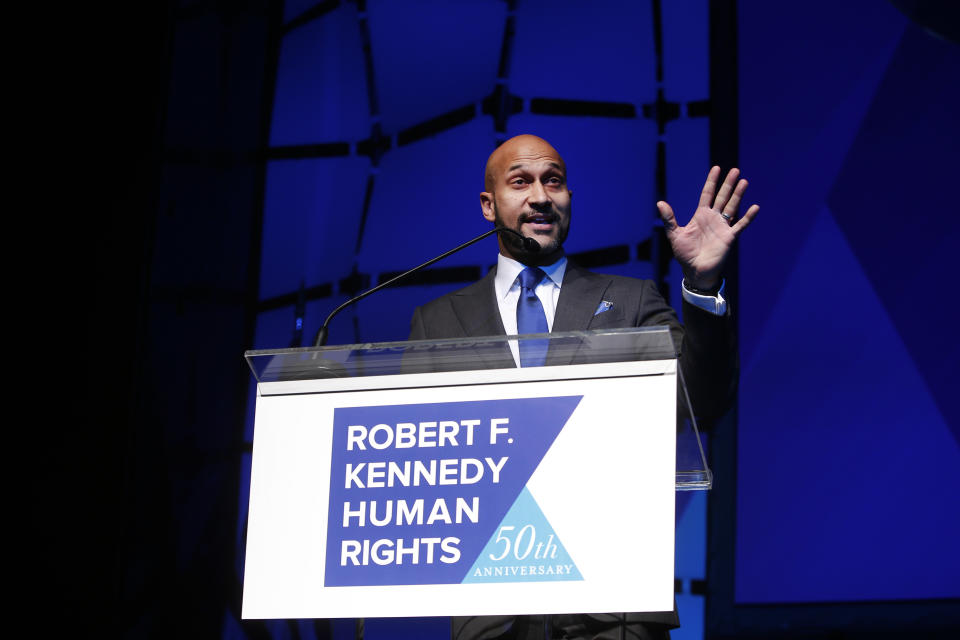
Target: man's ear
{"x":486,"y":206}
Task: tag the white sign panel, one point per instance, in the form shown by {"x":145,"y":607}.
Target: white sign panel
{"x":547,"y":490}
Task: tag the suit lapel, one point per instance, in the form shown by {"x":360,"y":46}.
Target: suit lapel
{"x":478,"y":313}
{"x":477,"y":310}
{"x":580,"y":295}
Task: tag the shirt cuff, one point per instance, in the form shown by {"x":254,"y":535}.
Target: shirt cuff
{"x":715,"y":305}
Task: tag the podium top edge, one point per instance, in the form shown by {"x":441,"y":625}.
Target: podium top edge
{"x":405,"y":345}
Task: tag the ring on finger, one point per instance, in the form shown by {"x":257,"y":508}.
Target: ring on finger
{"x":725,"y":216}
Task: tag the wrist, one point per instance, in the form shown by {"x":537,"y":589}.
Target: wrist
{"x":703,"y":289}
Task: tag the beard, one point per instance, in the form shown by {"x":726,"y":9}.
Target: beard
{"x":548,"y":254}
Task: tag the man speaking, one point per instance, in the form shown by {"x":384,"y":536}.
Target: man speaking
{"x":525,"y":189}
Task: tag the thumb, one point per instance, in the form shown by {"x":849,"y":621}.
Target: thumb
{"x":666,"y":214}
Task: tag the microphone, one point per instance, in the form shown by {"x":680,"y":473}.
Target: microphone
{"x":529,"y":244}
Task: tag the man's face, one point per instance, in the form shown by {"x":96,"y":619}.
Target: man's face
{"x":527,"y":192}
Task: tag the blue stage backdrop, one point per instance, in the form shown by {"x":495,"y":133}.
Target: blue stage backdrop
{"x":847,"y":440}
{"x":311,"y":148}
{"x":383,"y":116}
{"x":848,"y":424}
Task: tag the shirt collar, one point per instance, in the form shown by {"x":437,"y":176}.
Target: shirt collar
{"x":508,"y":269}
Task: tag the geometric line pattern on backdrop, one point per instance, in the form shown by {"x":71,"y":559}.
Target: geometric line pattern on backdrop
{"x":863,"y":399}
{"x":500,"y":104}
{"x":924,"y":232}
{"x":826,"y":146}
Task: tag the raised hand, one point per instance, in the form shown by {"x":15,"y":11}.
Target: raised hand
{"x":703,"y":245}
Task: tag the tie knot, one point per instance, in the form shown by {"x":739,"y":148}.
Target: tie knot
{"x":531,"y":277}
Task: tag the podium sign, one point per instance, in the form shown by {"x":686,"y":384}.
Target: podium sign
{"x":475,"y":492}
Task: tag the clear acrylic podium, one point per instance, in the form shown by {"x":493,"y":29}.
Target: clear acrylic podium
{"x":363,"y":366}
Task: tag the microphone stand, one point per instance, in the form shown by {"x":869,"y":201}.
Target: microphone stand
{"x":529,"y":244}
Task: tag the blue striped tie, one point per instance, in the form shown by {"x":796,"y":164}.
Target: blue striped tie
{"x":531,"y":318}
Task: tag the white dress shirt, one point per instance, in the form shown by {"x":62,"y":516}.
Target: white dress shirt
{"x":507,"y":289}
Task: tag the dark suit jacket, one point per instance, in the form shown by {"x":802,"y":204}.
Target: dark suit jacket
{"x":706,"y":346}
{"x":707,"y":355}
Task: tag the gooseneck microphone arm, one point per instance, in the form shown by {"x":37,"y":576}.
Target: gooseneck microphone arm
{"x":531,"y":245}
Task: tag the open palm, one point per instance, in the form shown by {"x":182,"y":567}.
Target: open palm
{"x":702,"y":246}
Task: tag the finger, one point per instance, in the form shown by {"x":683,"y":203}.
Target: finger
{"x":731,"y":207}
{"x":745,"y":220}
{"x":666,"y":214}
{"x":726,"y":189}
{"x":709,"y":187}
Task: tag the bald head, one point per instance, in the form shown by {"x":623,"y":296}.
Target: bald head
{"x":524,"y":147}
{"x":525,"y":189}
